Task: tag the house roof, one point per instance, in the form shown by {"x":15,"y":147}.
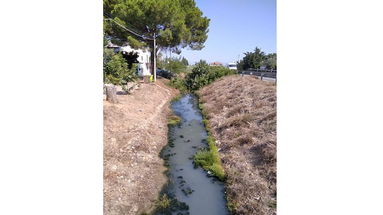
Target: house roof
{"x":216,"y":63}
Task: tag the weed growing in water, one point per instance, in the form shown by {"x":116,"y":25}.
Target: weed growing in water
{"x":163,"y":203}
{"x":168,"y":205}
{"x":174,"y":120}
{"x":209,"y":158}
{"x":176,"y":98}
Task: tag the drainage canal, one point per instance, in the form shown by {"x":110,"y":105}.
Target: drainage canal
{"x":189,"y":188}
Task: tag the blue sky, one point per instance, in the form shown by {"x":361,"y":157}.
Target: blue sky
{"x":236,"y":26}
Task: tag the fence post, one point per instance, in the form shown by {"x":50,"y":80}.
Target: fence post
{"x":261,"y":76}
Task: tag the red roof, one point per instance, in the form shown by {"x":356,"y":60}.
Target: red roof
{"x":216,"y":63}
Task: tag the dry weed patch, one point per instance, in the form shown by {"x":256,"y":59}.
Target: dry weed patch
{"x":242,"y":117}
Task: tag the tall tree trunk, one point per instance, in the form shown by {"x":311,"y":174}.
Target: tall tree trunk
{"x":111,"y":93}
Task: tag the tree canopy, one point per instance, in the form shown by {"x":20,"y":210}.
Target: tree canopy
{"x":256,"y":59}
{"x":180,"y":23}
{"x":174,"y":65}
{"x":185,"y":61}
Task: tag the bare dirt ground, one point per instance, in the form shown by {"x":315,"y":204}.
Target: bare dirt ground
{"x":242,"y":114}
{"x":135,"y":131}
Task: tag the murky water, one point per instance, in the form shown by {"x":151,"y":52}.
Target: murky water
{"x":204,"y":195}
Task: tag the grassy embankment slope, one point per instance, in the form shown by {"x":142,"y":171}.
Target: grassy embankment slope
{"x":241,"y":113}
{"x":135,"y":131}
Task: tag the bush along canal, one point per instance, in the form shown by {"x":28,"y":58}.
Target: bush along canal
{"x":190,"y":189}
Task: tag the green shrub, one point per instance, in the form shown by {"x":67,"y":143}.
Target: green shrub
{"x":116,"y":69}
{"x":218,"y":71}
{"x":198,"y":77}
{"x":202,"y":74}
{"x":179,"y":84}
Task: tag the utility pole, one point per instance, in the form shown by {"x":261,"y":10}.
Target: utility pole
{"x":154,"y":59}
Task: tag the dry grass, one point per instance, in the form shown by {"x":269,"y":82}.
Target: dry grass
{"x":135,"y":131}
{"x":242,"y":116}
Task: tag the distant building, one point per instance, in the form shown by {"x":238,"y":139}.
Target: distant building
{"x":216,"y":64}
{"x":143,"y":67}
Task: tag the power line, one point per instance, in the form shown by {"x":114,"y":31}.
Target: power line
{"x":130,"y":30}
{"x":128,"y":25}
{"x":127,"y":29}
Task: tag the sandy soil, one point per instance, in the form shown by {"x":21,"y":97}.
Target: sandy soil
{"x":135,"y":131}
{"x":242,"y":114}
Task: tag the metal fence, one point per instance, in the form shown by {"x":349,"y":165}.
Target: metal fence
{"x":262,"y":70}
{"x":260,"y":73}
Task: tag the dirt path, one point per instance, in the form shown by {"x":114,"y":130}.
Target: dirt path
{"x":135,"y":131}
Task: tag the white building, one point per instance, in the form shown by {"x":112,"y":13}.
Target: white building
{"x":143,"y":59}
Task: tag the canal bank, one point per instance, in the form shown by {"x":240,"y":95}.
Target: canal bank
{"x":242,"y":117}
{"x":135,"y":131}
